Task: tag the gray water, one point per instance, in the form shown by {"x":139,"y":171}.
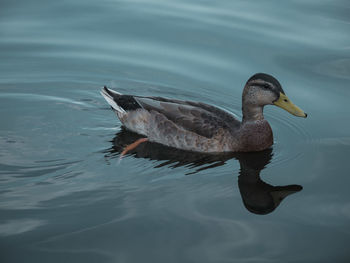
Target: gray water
{"x":66,"y":197}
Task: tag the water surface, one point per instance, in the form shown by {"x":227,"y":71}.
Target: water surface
{"x":66,"y":197}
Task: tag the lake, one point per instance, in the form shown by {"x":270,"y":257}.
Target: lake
{"x":65,"y":194}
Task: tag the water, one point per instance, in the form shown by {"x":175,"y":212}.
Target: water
{"x":66,"y":196}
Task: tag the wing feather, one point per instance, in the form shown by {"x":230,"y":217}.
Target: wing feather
{"x":200,"y":118}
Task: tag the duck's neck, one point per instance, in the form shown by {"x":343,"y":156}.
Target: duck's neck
{"x":252,"y":112}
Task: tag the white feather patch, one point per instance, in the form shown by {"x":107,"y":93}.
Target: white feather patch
{"x":111,"y":102}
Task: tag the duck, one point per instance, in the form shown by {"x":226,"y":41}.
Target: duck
{"x":200,"y":127}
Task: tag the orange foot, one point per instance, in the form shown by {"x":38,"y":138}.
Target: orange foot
{"x":132,"y":146}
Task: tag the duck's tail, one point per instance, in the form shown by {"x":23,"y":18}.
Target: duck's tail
{"x":111,"y":97}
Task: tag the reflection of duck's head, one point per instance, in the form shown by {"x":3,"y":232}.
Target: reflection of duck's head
{"x":259,"y":197}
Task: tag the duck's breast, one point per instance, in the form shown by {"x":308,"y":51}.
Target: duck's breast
{"x":255,"y":136}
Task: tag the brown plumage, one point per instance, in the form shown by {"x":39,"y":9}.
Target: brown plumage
{"x":200,"y":127}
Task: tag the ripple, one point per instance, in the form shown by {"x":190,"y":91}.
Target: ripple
{"x":339,"y":68}
{"x":19,"y":226}
{"x":340,"y":141}
{"x":290,"y":135}
{"x":45,"y":167}
{"x":40,"y":97}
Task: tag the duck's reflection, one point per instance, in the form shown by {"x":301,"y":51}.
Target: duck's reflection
{"x":258,"y":197}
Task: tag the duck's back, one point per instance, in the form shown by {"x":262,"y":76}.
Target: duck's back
{"x":186,"y":125}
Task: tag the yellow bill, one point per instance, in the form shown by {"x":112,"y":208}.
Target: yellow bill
{"x":285,"y":103}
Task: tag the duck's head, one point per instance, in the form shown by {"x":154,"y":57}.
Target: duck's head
{"x":263,"y":89}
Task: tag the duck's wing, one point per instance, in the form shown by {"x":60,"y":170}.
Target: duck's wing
{"x":201,"y":118}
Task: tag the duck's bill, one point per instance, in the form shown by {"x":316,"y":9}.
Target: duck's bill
{"x":285,"y":103}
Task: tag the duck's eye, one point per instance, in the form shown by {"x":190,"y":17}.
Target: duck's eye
{"x":285,"y":100}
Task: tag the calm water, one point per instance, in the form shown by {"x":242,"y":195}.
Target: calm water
{"x":66,"y":197}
